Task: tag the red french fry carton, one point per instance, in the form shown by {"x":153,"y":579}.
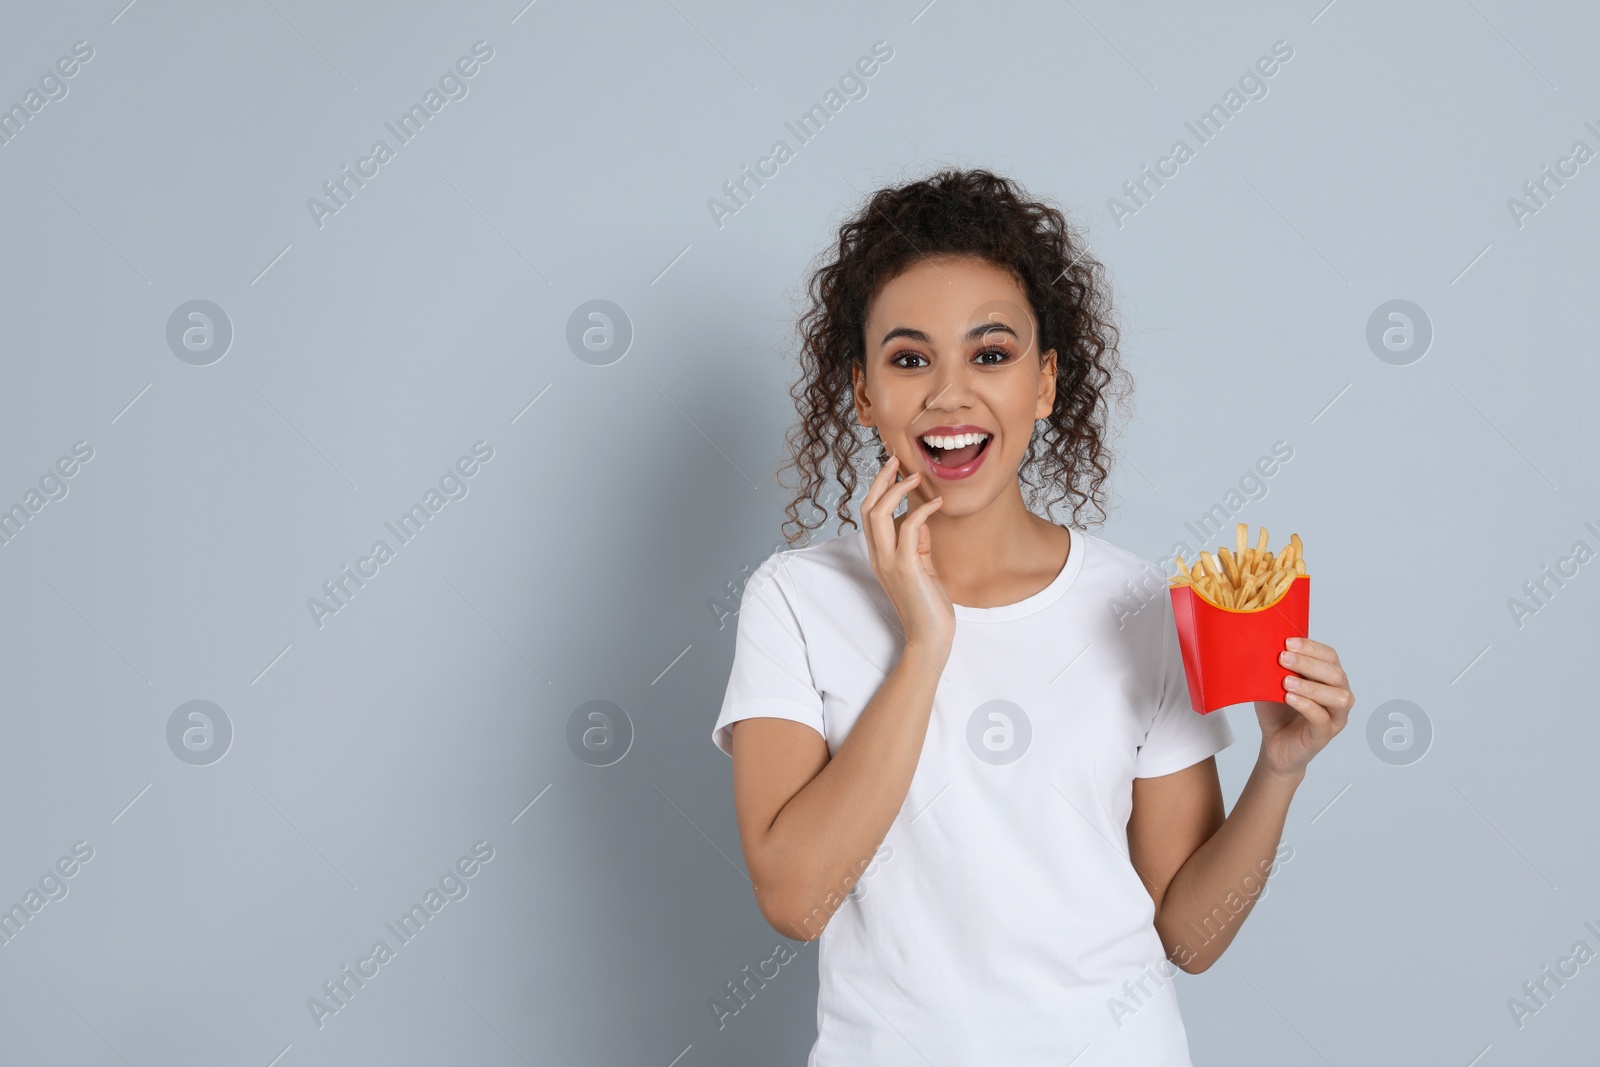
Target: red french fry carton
{"x":1231,"y":657}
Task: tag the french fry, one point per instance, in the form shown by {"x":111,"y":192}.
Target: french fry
{"x":1245,"y":577}
{"x":1230,"y":566}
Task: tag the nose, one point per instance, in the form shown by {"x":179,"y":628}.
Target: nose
{"x":950,"y":388}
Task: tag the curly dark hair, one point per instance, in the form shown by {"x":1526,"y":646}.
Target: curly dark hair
{"x":958,"y":212}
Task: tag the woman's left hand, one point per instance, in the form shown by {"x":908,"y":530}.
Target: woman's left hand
{"x":1317,"y":707}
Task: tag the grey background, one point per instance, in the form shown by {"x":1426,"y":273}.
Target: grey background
{"x":589,"y":556}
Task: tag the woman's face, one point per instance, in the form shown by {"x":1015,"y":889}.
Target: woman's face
{"x":951,"y":352}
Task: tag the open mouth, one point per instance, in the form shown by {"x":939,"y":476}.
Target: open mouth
{"x":956,"y":456}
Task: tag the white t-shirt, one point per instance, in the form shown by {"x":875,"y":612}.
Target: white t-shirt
{"x":1001,"y":920}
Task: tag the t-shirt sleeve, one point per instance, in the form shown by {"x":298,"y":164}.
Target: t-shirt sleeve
{"x":771,"y":675}
{"x":1178,"y":736}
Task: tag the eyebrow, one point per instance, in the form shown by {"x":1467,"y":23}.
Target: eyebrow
{"x":973,"y":334}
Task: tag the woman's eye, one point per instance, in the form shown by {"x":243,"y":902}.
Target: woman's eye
{"x":1002,"y":353}
{"x":903,"y":355}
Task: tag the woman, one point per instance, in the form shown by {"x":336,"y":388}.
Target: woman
{"x":958,"y":747}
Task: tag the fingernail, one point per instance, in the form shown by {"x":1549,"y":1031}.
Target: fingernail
{"x":1291,"y":683}
{"x":1293,"y":642}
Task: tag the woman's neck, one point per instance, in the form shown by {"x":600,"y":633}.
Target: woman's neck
{"x":986,"y":557}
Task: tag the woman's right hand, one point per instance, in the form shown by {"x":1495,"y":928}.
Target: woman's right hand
{"x":903,"y":561}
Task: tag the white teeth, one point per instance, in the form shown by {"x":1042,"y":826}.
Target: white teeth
{"x":957,"y":441}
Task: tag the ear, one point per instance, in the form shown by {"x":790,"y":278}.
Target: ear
{"x":1047,"y":385}
{"x":858,"y":379}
